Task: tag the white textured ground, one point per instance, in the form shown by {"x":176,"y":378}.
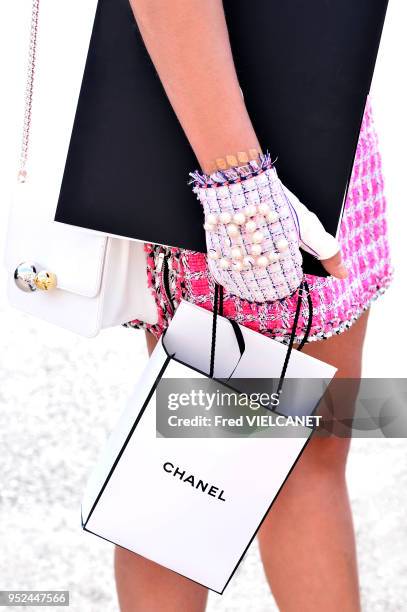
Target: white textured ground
{"x":59,"y":396}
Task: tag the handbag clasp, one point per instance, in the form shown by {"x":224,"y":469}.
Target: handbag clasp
{"x":28,"y":279}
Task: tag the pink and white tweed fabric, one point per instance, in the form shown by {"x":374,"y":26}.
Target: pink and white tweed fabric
{"x":175,"y":274}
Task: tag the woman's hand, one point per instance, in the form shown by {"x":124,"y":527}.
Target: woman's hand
{"x":255,"y":228}
{"x":315,"y":240}
{"x":335,"y":266}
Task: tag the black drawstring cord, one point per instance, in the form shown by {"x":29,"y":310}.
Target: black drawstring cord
{"x":218,"y":299}
{"x":218,"y":306}
{"x":291,"y":341}
{"x":215,"y":316}
{"x":302,"y":287}
{"x":310,"y":315}
{"x":221,"y":293}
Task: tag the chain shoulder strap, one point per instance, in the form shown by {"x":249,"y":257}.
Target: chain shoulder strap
{"x":29,"y":88}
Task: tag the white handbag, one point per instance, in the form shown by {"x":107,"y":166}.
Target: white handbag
{"x":80,"y":280}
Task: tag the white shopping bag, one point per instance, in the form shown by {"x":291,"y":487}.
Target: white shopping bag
{"x":194,"y":505}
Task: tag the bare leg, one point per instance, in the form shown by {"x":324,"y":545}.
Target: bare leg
{"x":189,"y":45}
{"x":144,"y":586}
{"x":151,"y":342}
{"x":307,"y":541}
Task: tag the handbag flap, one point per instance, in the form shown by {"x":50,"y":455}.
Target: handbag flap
{"x":75,"y":256}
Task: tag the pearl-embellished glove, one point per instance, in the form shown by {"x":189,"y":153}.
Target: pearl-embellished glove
{"x":254,"y":230}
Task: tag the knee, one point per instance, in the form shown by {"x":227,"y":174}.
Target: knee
{"x":324,"y":457}
{"x":328,"y":450}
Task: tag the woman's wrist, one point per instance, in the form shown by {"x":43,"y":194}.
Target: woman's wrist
{"x":232,"y":160}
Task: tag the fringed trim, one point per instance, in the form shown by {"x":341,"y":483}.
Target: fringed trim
{"x":335,"y":330}
{"x":200,"y":180}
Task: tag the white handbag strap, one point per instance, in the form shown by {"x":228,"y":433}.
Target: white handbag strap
{"x":32,"y":52}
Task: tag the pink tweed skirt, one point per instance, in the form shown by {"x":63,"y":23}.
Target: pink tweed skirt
{"x":178,"y":273}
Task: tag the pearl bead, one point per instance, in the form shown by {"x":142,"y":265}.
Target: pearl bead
{"x":212,"y":254}
{"x":250,"y":210}
{"x":225,"y":217}
{"x":212,"y":219}
{"x":236,"y":253}
{"x":273,"y":257}
{"x":256,"y":249}
{"x":208,"y":227}
{"x":258,"y":237}
{"x":237,"y":266}
{"x":262,"y":261}
{"x":224,"y":263}
{"x":239,"y":218}
{"x":282,"y":245}
{"x":232,"y":229}
{"x":248,"y":261}
{"x":251,"y":226}
{"x":272,"y":216}
{"x":263,"y":208}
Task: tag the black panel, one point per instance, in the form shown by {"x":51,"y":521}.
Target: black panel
{"x":305,"y":69}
